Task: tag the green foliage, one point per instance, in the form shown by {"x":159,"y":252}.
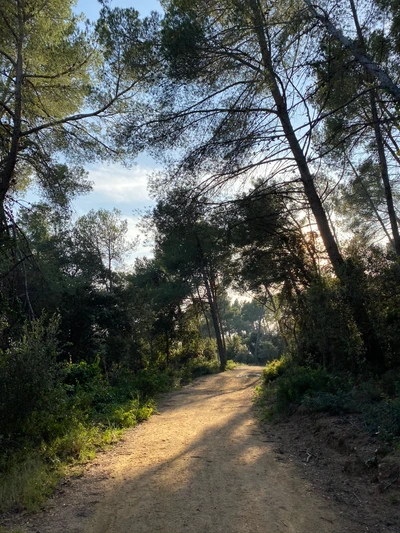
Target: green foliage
{"x":276,"y":368}
{"x":26,"y":484}
{"x":182,"y":34}
{"x":202,"y":367}
{"x":375,"y":401}
{"x":30,"y":382}
{"x":237,"y":351}
{"x":327,"y":333}
{"x":150,"y":382}
{"x":230,"y":365}
{"x":301,"y":382}
{"x":209,"y":350}
{"x":333,"y":403}
{"x":288,"y":385}
{"x":102,"y":236}
{"x":383,"y":419}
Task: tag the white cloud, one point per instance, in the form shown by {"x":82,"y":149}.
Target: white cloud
{"x":121,"y":185}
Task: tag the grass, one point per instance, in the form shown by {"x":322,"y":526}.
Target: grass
{"x":27,"y":484}
{"x":95,"y":416}
{"x":30,"y":476}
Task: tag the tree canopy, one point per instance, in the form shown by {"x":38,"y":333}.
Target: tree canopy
{"x":275,"y":225}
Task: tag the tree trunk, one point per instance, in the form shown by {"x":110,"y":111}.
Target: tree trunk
{"x":379,"y":142}
{"x":204,"y":314}
{"x":10,"y":161}
{"x":306,"y":176}
{"x":213,"y":309}
{"x":345,"y":275}
{"x":167,"y":349}
{"x":375,"y":70}
{"x":370,"y":201}
{"x":213,"y":288}
{"x":257,"y":346}
{"x":214,"y":316}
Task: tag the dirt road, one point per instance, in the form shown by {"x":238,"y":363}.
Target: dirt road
{"x":203,"y":465}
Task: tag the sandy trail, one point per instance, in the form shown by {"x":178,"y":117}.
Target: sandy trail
{"x":202,"y":466}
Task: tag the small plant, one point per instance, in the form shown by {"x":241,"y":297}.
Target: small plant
{"x":26,"y":484}
{"x":276,"y":368}
{"x":230,"y":365}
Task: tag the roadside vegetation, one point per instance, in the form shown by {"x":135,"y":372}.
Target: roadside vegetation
{"x":54,"y":414}
{"x":374,"y":399}
{"x":274,"y":232}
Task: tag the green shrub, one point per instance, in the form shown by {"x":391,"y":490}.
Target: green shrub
{"x":129,"y":414}
{"x":230,"y":365}
{"x":149,"y":382}
{"x":202,"y":367}
{"x":331,"y":403}
{"x":31,"y":393}
{"x":237,"y":351}
{"x":83,"y":374}
{"x":276,"y":368}
{"x":383,"y":418}
{"x":78,"y":444}
{"x":210,"y":349}
{"x":292,"y":387}
{"x":286,"y":384}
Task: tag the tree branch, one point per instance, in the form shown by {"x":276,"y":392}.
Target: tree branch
{"x":385,"y":80}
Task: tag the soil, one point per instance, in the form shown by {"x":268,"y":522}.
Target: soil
{"x":205,"y":464}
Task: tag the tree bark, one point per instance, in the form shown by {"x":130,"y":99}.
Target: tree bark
{"x":345,"y":273}
{"x":9,"y":163}
{"x":379,"y":142}
{"x":376,"y":71}
{"x":257,"y":346}
{"x":204,"y":313}
{"x":214,"y":314}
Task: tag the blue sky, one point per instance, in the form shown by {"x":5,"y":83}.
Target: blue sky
{"x":115,"y":185}
{"x":91,"y":7}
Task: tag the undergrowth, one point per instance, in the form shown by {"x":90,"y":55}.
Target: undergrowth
{"x":89,"y":412}
{"x":230,"y":365}
{"x":376,"y":400}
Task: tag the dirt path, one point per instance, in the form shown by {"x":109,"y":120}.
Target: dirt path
{"x":202,"y":466}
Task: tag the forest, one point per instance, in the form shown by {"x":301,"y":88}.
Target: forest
{"x":275,"y":232}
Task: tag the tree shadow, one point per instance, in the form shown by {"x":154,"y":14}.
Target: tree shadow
{"x":203,"y":466}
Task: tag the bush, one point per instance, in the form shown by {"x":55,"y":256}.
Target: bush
{"x":300,"y":382}
{"x":331,"y":403}
{"x":149,"y":382}
{"x":237,"y":351}
{"x":202,"y":367}
{"x":210,"y":352}
{"x":383,"y":419}
{"x":31,"y":393}
{"x":276,"y":368}
{"x":287,"y":385}
{"x":230,"y":365}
